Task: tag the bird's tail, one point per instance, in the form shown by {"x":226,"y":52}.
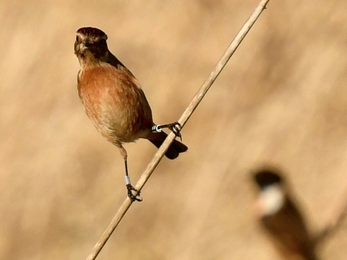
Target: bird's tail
{"x":175,"y":148}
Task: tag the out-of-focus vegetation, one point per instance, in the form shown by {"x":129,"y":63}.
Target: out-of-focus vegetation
{"x":282,"y":99}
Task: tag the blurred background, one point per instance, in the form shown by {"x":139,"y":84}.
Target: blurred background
{"x":281,"y":100}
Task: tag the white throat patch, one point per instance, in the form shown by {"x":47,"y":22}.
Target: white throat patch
{"x":271,"y":199}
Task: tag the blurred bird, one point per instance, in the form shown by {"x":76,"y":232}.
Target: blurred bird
{"x":281,"y":218}
{"x":114,"y":101}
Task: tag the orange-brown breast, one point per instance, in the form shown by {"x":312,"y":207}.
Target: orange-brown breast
{"x":115,"y":103}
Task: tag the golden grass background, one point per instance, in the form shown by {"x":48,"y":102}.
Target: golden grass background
{"x":281,"y":100}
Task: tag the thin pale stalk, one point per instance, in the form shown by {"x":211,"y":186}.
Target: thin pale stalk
{"x":184,"y":118}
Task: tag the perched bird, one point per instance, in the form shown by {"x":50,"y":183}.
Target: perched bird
{"x":114,"y":101}
{"x":281,"y":218}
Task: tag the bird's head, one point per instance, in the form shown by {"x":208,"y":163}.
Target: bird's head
{"x":90,"y":46}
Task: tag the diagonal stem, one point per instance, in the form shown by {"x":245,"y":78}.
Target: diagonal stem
{"x":184,"y":118}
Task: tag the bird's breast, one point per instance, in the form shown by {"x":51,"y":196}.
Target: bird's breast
{"x":115,"y":104}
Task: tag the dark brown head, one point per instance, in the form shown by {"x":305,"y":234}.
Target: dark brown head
{"x":90,"y":46}
{"x":266,"y":177}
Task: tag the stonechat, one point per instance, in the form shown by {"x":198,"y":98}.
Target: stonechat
{"x":114,"y":100}
{"x":281,"y":218}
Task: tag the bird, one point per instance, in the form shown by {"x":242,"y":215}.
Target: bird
{"x":280,"y":216}
{"x":114,"y":100}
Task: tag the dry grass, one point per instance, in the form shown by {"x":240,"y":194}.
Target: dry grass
{"x":282,"y":100}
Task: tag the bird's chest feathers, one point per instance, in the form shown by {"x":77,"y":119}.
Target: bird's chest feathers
{"x":113,"y":102}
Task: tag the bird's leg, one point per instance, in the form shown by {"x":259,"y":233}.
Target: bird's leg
{"x":133,"y":193}
{"x":174,"y":127}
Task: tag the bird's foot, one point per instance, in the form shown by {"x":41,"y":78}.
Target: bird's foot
{"x":133,"y":194}
{"x":174,"y":127}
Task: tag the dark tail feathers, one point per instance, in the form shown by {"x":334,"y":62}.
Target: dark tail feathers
{"x":175,"y":148}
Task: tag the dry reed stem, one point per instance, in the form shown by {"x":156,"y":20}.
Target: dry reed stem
{"x":184,"y":118}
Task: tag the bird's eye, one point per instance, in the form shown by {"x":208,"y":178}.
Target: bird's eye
{"x":77,"y":38}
